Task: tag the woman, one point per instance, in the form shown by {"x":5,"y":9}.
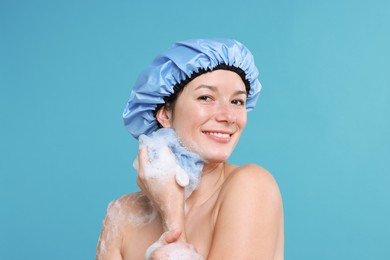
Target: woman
{"x":201,"y":89}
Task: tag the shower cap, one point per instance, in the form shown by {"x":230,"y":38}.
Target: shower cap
{"x":175,"y":67}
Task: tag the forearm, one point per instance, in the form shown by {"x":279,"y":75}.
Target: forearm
{"x":174,"y":218}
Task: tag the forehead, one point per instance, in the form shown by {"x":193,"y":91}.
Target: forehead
{"x":218,"y":79}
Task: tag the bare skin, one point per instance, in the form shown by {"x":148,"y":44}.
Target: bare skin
{"x":237,"y":211}
{"x":214,"y":224}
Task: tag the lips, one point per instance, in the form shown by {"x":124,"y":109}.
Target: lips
{"x":218,"y":134}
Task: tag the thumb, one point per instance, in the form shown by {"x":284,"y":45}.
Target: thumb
{"x":170,"y":236}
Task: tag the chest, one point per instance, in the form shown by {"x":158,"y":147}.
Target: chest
{"x":200,"y":223}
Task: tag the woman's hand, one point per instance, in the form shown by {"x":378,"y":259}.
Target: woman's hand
{"x":156,"y":179}
{"x":167,"y":247}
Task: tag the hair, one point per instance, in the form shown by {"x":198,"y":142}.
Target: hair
{"x":170,"y":100}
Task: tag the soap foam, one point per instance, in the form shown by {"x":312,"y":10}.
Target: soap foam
{"x":184,"y":254}
{"x":174,"y":251}
{"x":133,"y":209}
{"x":142,"y":212}
{"x":111,"y":224}
{"x":168,"y":156}
{"x":156,"y":245}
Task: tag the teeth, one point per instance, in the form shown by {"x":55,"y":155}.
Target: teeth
{"x":220,"y":135}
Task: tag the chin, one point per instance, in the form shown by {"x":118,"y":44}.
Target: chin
{"x":209,"y":153}
{"x":215,"y":158}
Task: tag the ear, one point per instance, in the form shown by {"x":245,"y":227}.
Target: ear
{"x":164,"y":116}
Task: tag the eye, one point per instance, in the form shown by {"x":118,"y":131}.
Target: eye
{"x":205,"y":98}
{"x":238,"y":102}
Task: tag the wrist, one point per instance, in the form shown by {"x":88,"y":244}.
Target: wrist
{"x":174,"y":220}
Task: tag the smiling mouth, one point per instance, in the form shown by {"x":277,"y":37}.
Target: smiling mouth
{"x":218,"y":134}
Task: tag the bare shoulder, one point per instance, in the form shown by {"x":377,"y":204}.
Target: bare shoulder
{"x":250,"y":205}
{"x":251,"y":185}
{"x":132,"y":209}
{"x":123,"y":215}
{"x":250,"y":178}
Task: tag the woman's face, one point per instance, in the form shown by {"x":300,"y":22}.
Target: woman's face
{"x":210,"y":114}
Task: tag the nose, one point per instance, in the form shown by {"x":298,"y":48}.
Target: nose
{"x":225,"y":113}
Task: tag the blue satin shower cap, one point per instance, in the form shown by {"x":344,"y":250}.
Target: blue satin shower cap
{"x":181,"y":63}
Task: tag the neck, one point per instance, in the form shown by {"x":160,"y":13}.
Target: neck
{"x":213,"y":176}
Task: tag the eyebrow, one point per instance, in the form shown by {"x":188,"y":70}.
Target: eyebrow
{"x":215,"y":89}
{"x":212,"y":88}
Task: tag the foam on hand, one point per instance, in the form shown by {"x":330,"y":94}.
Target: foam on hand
{"x":167,"y":156}
{"x":172,"y":251}
{"x":185,"y":254}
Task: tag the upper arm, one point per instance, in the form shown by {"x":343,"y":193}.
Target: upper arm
{"x":249,"y":220}
{"x":110,"y":240}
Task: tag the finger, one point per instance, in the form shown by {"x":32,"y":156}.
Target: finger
{"x":142,"y":159}
{"x":139,"y":183}
{"x":170,"y":236}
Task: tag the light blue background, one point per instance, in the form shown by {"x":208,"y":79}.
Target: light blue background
{"x":322,"y":124}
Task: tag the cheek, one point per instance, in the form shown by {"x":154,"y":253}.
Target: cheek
{"x":187,"y":137}
{"x":188,"y":127}
{"x":182,"y":126}
{"x":241,"y":119}
{"x":244,"y":121}
{"x":190,"y":116}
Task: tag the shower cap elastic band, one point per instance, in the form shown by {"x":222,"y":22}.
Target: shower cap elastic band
{"x":175,"y":67}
